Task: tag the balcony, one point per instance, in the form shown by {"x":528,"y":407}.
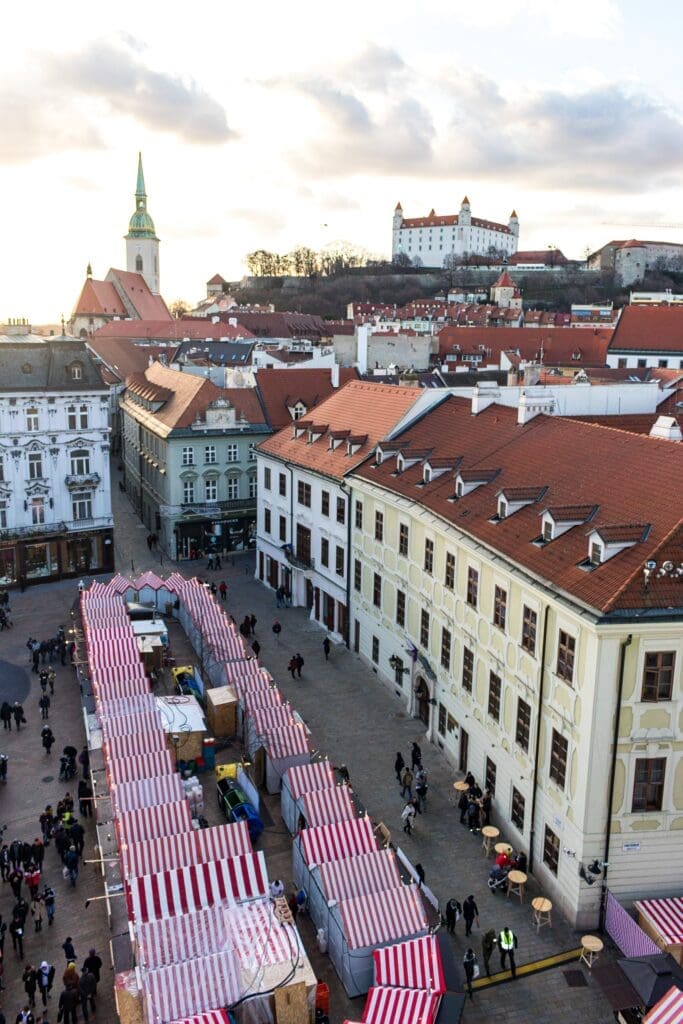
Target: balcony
{"x":33,"y":530}
{"x":306,"y":564}
{"x":92,"y":523}
{"x":74,"y":481}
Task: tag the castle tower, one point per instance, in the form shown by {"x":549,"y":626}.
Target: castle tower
{"x":142,"y":244}
{"x":396,"y":231}
{"x":465,"y":215}
{"x":513,"y":224}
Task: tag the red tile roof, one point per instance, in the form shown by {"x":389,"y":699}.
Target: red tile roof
{"x":619,"y":473}
{"x":649,"y":329}
{"x":448,"y":220}
{"x":378,"y":407}
{"x":171,"y":330}
{"x":560,"y":346}
{"x":99,"y":298}
{"x":122,"y":357}
{"x":282,"y":389}
{"x":504,"y":281}
{"x":146,"y":305}
{"x":216,"y":279}
{"x":552,"y":257}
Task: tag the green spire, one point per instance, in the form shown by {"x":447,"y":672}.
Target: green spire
{"x":141,"y":224}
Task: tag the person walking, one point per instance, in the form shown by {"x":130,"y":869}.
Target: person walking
{"x":44,"y":705}
{"x":469,"y":963}
{"x":399,"y":765}
{"x":299,"y":664}
{"x":93,"y":964}
{"x":252,"y":622}
{"x":30,"y":981}
{"x":256,"y":648}
{"x":408,"y":817}
{"x":453,"y":913}
{"x":46,"y":735}
{"x":84,"y":799}
{"x":421,"y":788}
{"x":470,"y":911}
{"x":245,"y":627}
{"x":217,"y":561}
{"x":84,"y":761}
{"x":488,"y":944}
{"x":25,"y":1016}
{"x":326,"y":648}
{"x":223,"y":590}
{"x":68,"y":1004}
{"x":49,"y":899}
{"x":507,"y":943}
{"x":87,"y":989}
{"x":16,"y":930}
{"x":292,"y":666}
{"x":407,"y":783}
{"x":18,"y":713}
{"x":46,"y":976}
{"x":6,"y":715}
{"x":69,"y":951}
{"x":277,"y":629}
{"x":4,"y":761}
{"x":4,"y":862}
{"x":486,"y":807}
{"x":16,"y":879}
{"x":415,"y":755}
{"x":71,"y":864}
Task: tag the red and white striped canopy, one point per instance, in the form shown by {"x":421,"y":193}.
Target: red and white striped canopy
{"x":120,"y":688}
{"x":666,"y":915}
{"x":128,"y":796}
{"x":144,"y":766}
{"x":381,"y":917}
{"x":152,"y":822}
{"x":135,"y":743}
{"x":250,"y":929}
{"x":126,"y":706}
{"x":412,"y":964}
{"x":169,"y":893}
{"x":307,"y":778}
{"x":287,"y":741}
{"x":371,"y":872}
{"x":269,"y":697}
{"x":325,"y":806}
{"x":197,"y":846}
{"x":669,"y":1009}
{"x":119,"y":584}
{"x":116,"y":673}
{"x":400,"y":1006}
{"x":175,"y":583}
{"x":334,"y":842}
{"x":99,"y":633}
{"x":124,"y":725}
{"x":188,"y":988}
{"x":264,"y":719}
{"x":148,"y":579}
{"x":208,"y":1017}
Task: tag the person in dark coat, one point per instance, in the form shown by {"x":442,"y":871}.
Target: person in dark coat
{"x":30,"y":980}
{"x":399,"y":765}
{"x":68,"y":947}
{"x":415,"y":755}
{"x":469,"y":962}
{"x":463,"y":804}
{"x":87,"y":990}
{"x":18,"y":712}
{"x":16,"y":930}
{"x":256,"y":648}
{"x":292,"y":666}
{"x":6,"y":715}
{"x":68,"y":1005}
{"x":93,"y":963}
{"x":326,"y":648}
{"x":470,"y":911}
{"x":488,"y":944}
{"x":46,"y":735}
{"x":486,"y":807}
{"x":453,"y":912}
{"x":299,"y":664}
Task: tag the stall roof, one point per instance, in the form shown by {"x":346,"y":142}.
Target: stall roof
{"x":335,"y":842}
{"x":287,"y":741}
{"x":383,"y":917}
{"x":129,"y":796}
{"x":124,"y":725}
{"x":198,"y":846}
{"x":188,"y":987}
{"x":368,"y":872}
{"x":158,"y":762}
{"x":307,"y":778}
{"x":208,"y":1017}
{"x":666,"y":915}
{"x":135,"y":743}
{"x":652,"y":976}
{"x":152,"y":822}
{"x":412,"y":964}
{"x":326,"y":806}
{"x":669,"y":1009}
{"x":400,"y":1006}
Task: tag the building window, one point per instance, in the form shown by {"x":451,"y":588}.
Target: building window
{"x":441,"y":723}
{"x":379,"y":526}
{"x":83,"y":417}
{"x":303,"y":493}
{"x":551,"y":850}
{"x":424,"y":628}
{"x":529,"y":620}
{"x":429,"y":556}
{"x":377,"y":590}
{"x":266,"y":520}
{"x":565,"y":656}
{"x":500,"y":603}
{"x":595,"y":553}
{"x":283,"y":485}
{"x":445,"y":648}
{"x":357,"y":575}
{"x":325,"y":503}
{"x":494,"y":696}
{"x":449,"y":578}
{"x":188,"y":456}
{"x":188,"y":492}
{"x":490,"y":777}
{"x":37,"y":511}
{"x":648,"y":784}
{"x":35,"y":465}
{"x":32,"y":418}
{"x":658,"y":676}
{"x":341,"y":510}
{"x":3,"y":515}
{"x":375,"y":649}
{"x":232,"y":453}
{"x":558,"y":758}
{"x":325,"y":551}
{"x":80,"y":462}
{"x":211,"y":490}
{"x":359,"y":515}
{"x":252,"y":451}
{"x":266,"y":478}
{"x":339,"y":561}
{"x":253,"y":486}
{"x":71,"y":421}
{"x":233,"y":488}
{"x":81,"y":505}
{"x":472,"y":586}
{"x":517,"y":810}
{"x":400,"y":608}
{"x":210,"y":456}
{"x":403,"y":539}
{"x":283,"y":528}
{"x":523,"y":724}
{"x":467,"y":669}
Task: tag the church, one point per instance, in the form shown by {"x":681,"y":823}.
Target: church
{"x":433,"y":240}
{"x":130,"y":294}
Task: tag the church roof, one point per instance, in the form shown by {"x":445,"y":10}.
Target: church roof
{"x":133,"y":288}
{"x":99,"y":298}
{"x":504,"y":281}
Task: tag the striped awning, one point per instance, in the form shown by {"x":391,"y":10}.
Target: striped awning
{"x":666,"y":915}
{"x":148,"y":579}
{"x":208,"y":1017}
{"x":334,"y":842}
{"x":326,"y":806}
{"x":124,"y":725}
{"x":120,"y":689}
{"x":287,"y":741}
{"x":669,"y":1009}
{"x":169,"y":893}
{"x":188,"y":988}
{"x":144,"y":766}
{"x":400,"y":1006}
{"x":197,"y":846}
{"x":264,"y":719}
{"x":116,"y":673}
{"x":119,"y":706}
{"x":379,"y":917}
{"x":306,"y":778}
{"x":413,"y":964}
{"x":267,"y":697}
{"x":119,"y":584}
{"x":371,"y":872}
{"x":135,"y":743}
{"x":152,"y":822}
{"x":128,"y":796}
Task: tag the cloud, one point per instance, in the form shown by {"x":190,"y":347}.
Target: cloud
{"x":376,"y":67}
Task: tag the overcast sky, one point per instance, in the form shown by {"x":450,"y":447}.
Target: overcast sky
{"x":271,"y":125}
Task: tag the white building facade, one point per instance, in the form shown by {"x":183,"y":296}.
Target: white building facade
{"x":433,"y":241}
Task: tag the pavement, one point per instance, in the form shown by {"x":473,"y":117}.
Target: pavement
{"x":355,"y":720}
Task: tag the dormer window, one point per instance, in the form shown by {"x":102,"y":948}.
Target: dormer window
{"x":76,"y":371}
{"x":512,"y":499}
{"x":469,"y":479}
{"x":459,"y":489}
{"x":502,"y":508}
{"x":300,"y":427}
{"x":607,"y":541}
{"x":596,"y":553}
{"x":427,"y":475}
{"x":559,"y":519}
{"x":548,"y":530}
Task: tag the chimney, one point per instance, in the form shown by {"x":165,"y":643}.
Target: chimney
{"x":334,"y":374}
{"x":362,"y":339}
{"x":215,"y":319}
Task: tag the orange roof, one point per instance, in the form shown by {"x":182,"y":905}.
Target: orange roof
{"x":446,"y":220}
{"x":281,"y":389}
{"x":216,"y":279}
{"x":551,"y":444}
{"x":171,"y":330}
{"x":649,"y":329}
{"x":99,"y":298}
{"x":122,"y":357}
{"x":504,"y":281}
{"x":146,"y":305}
{"x":561,"y":347}
{"x":375,"y":407}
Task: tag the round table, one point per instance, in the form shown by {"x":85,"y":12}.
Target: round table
{"x":461,"y":787}
{"x":489,"y":832}
{"x":591,"y":947}
{"x":502,"y":848}
{"x":516,"y":882}
{"x":542,"y":909}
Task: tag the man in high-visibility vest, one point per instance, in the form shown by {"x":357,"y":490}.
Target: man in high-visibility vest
{"x":507,"y":943}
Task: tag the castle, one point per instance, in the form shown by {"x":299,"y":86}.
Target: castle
{"x":431,"y":241}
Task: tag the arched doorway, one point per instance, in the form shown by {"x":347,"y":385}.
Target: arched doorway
{"x":422,"y":700}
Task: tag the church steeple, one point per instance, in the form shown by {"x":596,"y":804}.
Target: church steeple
{"x":142,"y":244}
{"x":141,"y":224}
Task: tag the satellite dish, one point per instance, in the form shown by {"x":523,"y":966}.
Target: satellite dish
{"x":667,"y":566}
{"x":651,"y":564}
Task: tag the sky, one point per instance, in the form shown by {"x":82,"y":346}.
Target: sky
{"x":273,"y":125}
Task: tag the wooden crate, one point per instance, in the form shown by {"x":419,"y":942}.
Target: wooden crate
{"x":221,"y":710}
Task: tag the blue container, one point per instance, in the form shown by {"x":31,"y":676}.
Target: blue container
{"x":209,"y":754}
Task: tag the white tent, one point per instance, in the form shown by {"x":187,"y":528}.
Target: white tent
{"x":305,"y":778}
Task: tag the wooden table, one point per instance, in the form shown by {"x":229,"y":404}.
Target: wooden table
{"x":461,"y":787}
{"x":516,"y":883}
{"x":542,"y":911}
{"x":489,"y":832}
{"x":591,"y":947}
{"x":503,"y":848}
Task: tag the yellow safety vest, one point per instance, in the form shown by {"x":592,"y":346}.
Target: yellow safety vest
{"x":506,"y":940}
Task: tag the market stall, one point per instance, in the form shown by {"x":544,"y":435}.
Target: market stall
{"x":158,"y":762}
{"x":325,"y":806}
{"x":220,"y":842}
{"x":129,"y":796}
{"x":285,"y":747}
{"x":305,"y":778}
{"x":412,"y":964}
{"x":407,"y":1005}
{"x":153,"y":822}
{"x":662,"y":920}
{"x":349,"y":878}
{"x":319,"y":845}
